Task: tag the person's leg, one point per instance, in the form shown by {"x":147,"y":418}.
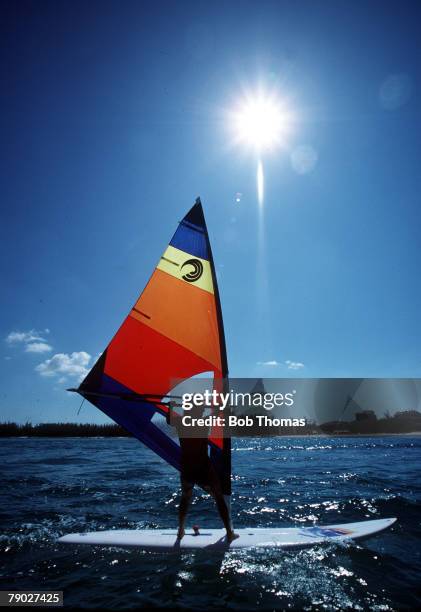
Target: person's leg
{"x":186,"y":495}
{"x":216,"y":491}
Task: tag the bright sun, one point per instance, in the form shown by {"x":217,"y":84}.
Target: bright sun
{"x":260,"y":122}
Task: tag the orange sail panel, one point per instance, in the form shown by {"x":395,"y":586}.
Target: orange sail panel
{"x":174,"y":331}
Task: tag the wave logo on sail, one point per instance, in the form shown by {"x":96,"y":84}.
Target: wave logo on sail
{"x":196,"y":273}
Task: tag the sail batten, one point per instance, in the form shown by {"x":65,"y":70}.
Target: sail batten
{"x":173,"y":332}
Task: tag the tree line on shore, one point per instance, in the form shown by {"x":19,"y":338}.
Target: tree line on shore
{"x":69,"y":430}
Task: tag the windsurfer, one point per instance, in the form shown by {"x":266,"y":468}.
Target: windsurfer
{"x":197,"y":468}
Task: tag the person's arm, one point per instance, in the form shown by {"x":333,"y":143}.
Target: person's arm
{"x":174,"y":419}
{"x":168,"y":414}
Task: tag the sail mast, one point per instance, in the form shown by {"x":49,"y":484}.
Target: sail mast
{"x":217,"y":298}
{"x":224,"y":460}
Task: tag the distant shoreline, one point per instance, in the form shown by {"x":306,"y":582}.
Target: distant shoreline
{"x":62,"y":430}
{"x":82,"y":430}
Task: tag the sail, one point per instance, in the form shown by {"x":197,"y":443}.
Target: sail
{"x":174,"y":331}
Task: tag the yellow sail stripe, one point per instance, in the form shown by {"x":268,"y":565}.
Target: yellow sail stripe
{"x":187,"y":268}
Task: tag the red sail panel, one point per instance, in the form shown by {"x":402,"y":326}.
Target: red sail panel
{"x":147,"y":362}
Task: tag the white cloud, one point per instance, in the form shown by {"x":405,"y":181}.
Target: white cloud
{"x":33,"y":341}
{"x":16,"y":337}
{"x":64,"y":365}
{"x":272,"y":363}
{"x":294,"y":365}
{"x":38,"y":347}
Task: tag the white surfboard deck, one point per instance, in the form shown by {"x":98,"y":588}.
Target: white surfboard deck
{"x":288,"y":537}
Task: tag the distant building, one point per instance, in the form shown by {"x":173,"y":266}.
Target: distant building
{"x":366,"y":415}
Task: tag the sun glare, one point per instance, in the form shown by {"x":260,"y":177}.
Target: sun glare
{"x":261,"y":123}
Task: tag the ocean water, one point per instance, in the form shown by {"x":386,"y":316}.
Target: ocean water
{"x":50,"y":487}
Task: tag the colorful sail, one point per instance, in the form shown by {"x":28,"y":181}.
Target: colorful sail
{"x":174,"y":331}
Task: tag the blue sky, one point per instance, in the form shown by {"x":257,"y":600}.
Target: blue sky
{"x":114,"y":119}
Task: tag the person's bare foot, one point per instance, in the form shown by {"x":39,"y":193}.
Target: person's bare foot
{"x":181,"y":533}
{"x":231,"y":536}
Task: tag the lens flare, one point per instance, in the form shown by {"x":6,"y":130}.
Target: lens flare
{"x":260,"y":184}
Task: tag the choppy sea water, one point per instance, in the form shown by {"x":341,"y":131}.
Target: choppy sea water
{"x":50,"y":487}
